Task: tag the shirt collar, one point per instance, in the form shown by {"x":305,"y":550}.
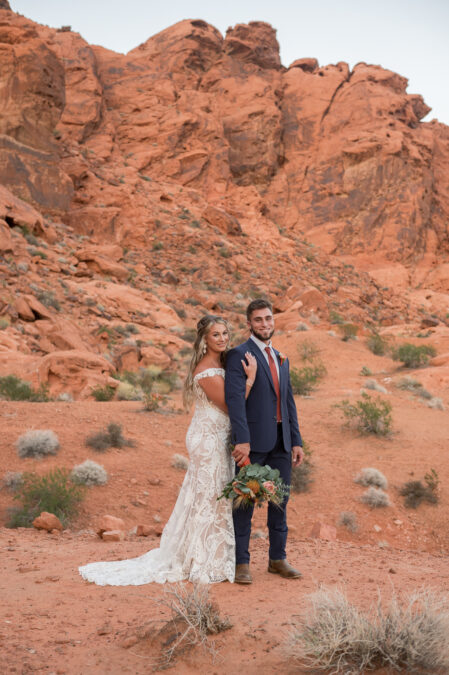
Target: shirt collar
{"x":262,"y":345}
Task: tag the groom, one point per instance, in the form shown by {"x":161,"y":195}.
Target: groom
{"x":265,"y":429}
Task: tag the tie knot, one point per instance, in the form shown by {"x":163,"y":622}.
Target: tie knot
{"x":267,"y":349}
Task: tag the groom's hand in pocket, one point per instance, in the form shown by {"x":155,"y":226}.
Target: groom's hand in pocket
{"x":241,"y":453}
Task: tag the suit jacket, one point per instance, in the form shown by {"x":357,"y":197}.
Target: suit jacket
{"x":254,"y":420}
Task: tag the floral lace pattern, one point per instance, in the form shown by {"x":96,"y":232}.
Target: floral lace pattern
{"x":198,"y":540}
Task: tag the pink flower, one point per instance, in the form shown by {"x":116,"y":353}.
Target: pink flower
{"x":269,"y":486}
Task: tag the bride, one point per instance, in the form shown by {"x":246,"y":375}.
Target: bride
{"x":198,"y":540}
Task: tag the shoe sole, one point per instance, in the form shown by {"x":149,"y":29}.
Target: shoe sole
{"x":243,"y":582}
{"x":285,"y":576}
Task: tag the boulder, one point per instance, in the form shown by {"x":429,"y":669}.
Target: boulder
{"x":109,"y":523}
{"x":223,"y":221}
{"x":113,"y":535}
{"x":47,"y":521}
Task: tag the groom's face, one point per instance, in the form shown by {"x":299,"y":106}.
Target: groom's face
{"x":261,"y":324}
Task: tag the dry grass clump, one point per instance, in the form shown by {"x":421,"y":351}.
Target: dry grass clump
{"x":335,"y":635}
{"x":128,"y":392}
{"x":193,"y":618}
{"x":37,"y":443}
{"x":89,"y":473}
{"x":180,"y":462}
{"x":376,"y":498}
{"x":370,"y":476}
{"x":111,"y":438}
{"x":348,"y":519}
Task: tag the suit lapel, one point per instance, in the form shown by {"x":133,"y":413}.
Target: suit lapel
{"x":261,"y":360}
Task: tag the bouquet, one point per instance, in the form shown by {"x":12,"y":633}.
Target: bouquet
{"x":254,"y":485}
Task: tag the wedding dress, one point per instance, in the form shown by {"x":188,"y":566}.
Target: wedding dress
{"x":198,"y":540}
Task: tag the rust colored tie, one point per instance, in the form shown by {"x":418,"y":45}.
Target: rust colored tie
{"x":274,"y":375}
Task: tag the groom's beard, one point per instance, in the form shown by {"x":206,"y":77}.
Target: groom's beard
{"x":264,"y":338}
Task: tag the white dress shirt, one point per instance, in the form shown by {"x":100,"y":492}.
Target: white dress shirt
{"x":262,"y":346}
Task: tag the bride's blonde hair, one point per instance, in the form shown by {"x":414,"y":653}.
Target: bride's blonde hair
{"x":199,"y":349}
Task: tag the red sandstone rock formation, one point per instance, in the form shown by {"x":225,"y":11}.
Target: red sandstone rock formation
{"x":146,"y":188}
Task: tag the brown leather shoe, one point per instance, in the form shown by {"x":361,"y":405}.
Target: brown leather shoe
{"x":283,"y":568}
{"x":242,"y":574}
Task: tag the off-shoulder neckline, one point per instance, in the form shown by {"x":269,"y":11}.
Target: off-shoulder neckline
{"x":207,"y":370}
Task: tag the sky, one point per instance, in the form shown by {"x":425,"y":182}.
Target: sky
{"x":410,"y":37}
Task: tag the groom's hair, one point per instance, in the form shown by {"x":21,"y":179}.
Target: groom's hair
{"x":260,"y":303}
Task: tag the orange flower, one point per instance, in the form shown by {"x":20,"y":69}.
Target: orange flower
{"x":254,"y":486}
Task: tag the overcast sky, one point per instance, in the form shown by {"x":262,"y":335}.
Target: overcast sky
{"x":410,"y":37}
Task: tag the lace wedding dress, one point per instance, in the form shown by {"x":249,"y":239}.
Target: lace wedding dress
{"x":198,"y":540}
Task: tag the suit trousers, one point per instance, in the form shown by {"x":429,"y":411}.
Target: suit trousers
{"x":277,"y":458}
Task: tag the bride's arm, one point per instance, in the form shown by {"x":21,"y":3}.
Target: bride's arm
{"x":213,"y":387}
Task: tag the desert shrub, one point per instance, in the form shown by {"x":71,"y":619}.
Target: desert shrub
{"x":370,"y":416}
{"x":335,"y":635}
{"x":415,"y":491}
{"x":408,"y":383}
{"x":302,"y":327}
{"x":348,"y":331}
{"x":112,"y":437}
{"x":413,"y":356}
{"x":4,"y":322}
{"x":37,"y":443}
{"x":128,"y":392}
{"x":348,"y":519}
{"x":89,"y":473}
{"x":193,"y":618}
{"x":105,"y":393}
{"x":377,"y":344}
{"x":305,"y":379}
{"x":152,"y":402}
{"x":375,"y":497}
{"x":365,"y":371}
{"x":180,"y":462}
{"x":375,"y":386}
{"x":66,"y":397}
{"x":436,"y":403}
{"x":49,"y":299}
{"x":301,"y":475}
{"x":12,"y":388}
{"x":308,"y":350}
{"x":53,"y":492}
{"x":13,"y":480}
{"x":335,"y":318}
{"x":370,"y":476}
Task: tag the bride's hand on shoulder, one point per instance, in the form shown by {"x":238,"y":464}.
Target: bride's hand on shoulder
{"x":250,"y":367}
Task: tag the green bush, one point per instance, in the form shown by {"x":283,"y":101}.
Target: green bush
{"x":53,"y":492}
{"x":12,"y":388}
{"x":370,"y":416}
{"x":335,"y":318}
{"x":365,"y":371}
{"x":413,"y":356}
{"x":348,"y":331}
{"x":305,"y":379}
{"x":377,"y":344}
{"x":105,"y":393}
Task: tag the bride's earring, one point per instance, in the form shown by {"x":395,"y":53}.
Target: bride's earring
{"x":204,"y":348}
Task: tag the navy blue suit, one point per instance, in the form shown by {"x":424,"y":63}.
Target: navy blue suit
{"x":254,"y":421}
